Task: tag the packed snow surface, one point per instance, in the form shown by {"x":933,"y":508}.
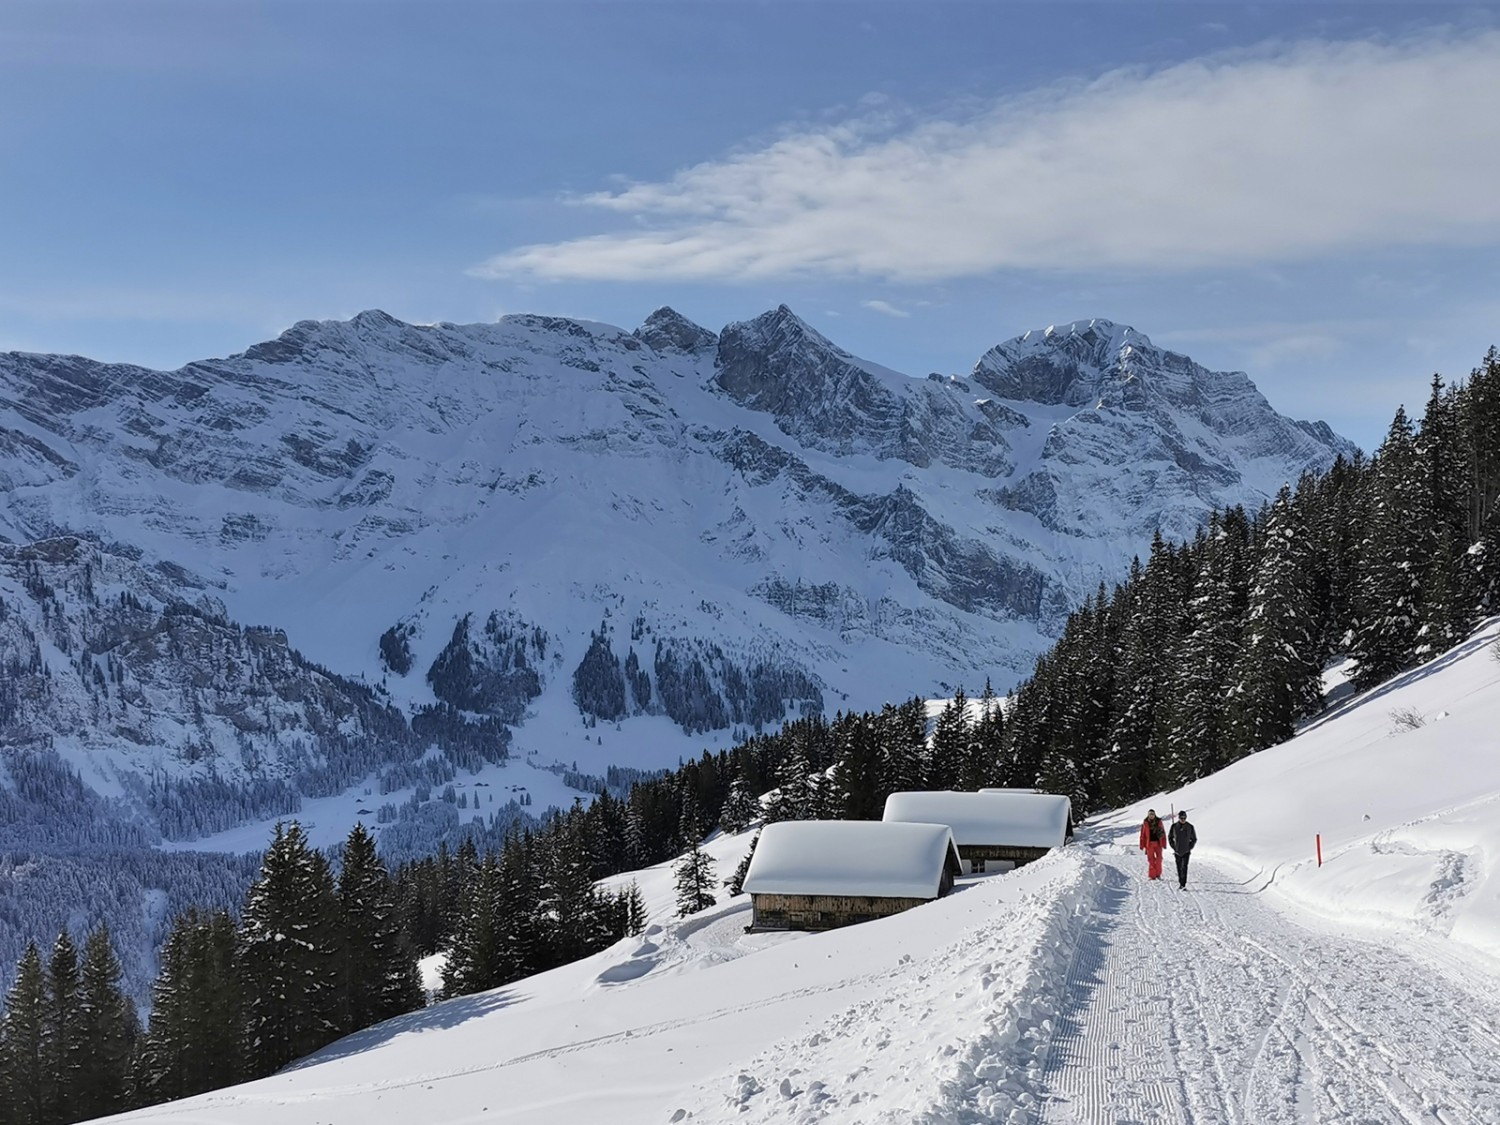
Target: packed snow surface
{"x":1071,"y":991}
{"x":1013,"y":818}
{"x":850,"y":857}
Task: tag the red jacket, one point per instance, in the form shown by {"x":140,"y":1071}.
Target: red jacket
{"x":1161,"y":832}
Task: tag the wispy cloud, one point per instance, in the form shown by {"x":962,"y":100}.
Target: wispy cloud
{"x":885,"y":307}
{"x":1286,"y":153}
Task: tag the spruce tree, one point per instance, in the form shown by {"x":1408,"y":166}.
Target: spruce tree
{"x":570,"y":905}
{"x":477,"y":960}
{"x":194,"y":1039}
{"x":522,"y":929}
{"x":1277,"y":678}
{"x":288,"y":962}
{"x":694,"y":877}
{"x":65,"y":1047}
{"x":1394,"y":554}
{"x":950,"y":743}
{"x":108,"y":1028}
{"x":986,"y":743}
{"x":378,"y":972}
{"x":742,"y":809}
{"x":635,"y":909}
{"x":1205,"y":660}
{"x":735,"y":884}
{"x":855,"y":784}
{"x":24,"y":1066}
{"x":903,"y":742}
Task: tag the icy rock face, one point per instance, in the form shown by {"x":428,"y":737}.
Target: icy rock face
{"x":557,"y":523}
{"x":1141,"y":438}
{"x":828,"y":400}
{"x":119,"y":679}
{"x":667,"y":330}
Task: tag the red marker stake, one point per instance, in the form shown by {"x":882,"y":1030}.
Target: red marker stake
{"x":1319,"y":839}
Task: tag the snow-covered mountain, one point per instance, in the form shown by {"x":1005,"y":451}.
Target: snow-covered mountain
{"x":606,"y":547}
{"x":1280,"y":987}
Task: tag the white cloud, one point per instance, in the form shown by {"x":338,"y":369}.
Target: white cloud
{"x":1288,"y":153}
{"x":885,"y":307}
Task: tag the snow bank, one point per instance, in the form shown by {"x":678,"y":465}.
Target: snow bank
{"x":850,"y":857}
{"x":976,"y":1022}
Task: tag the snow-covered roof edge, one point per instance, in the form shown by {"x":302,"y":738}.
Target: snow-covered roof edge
{"x":850,"y":857}
{"x":1007,"y":818}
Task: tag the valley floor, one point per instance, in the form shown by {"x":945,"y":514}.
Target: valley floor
{"x":1207,"y":1007}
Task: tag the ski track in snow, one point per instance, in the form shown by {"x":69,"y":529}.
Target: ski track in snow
{"x":1208,"y":1006}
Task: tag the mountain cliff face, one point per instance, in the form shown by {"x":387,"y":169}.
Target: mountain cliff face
{"x":554,"y":541}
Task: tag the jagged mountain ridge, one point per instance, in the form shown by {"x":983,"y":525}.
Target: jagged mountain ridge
{"x":679,"y":533}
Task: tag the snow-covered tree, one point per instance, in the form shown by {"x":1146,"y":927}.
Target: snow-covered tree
{"x":289,"y":955}
{"x":694,"y":876}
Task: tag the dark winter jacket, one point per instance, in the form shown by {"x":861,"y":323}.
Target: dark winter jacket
{"x":1182,"y":837}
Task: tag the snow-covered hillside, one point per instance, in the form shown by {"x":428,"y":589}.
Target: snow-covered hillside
{"x":1073,"y":991}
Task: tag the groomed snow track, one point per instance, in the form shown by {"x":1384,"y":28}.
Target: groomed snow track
{"x":1207,"y":1006}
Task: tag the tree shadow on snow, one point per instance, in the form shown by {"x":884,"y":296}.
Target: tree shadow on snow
{"x":1481,"y":638}
{"x":438,"y":1017}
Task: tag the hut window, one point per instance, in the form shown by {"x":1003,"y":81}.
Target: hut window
{"x":976,"y":866}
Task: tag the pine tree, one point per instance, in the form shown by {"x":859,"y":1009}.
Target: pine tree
{"x":1393,"y":557}
{"x":950,"y":743}
{"x":570,"y":905}
{"x":1129,"y":761}
{"x":735,"y":884}
{"x":24,"y":1066}
{"x":194,"y":1040}
{"x":986,"y":743}
{"x":378,"y":974}
{"x":742,"y":809}
{"x":1204,"y":662}
{"x":1449,"y":596}
{"x":65,"y":1047}
{"x":108,"y":1028}
{"x":635,"y":909}
{"x":1277,"y":678}
{"x":855,"y":786}
{"x":694,"y":875}
{"x":288,"y":962}
{"x":477,"y":959}
{"x":903,"y":741}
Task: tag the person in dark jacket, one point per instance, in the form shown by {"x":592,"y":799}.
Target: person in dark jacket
{"x":1153,"y":839}
{"x":1182,"y":837}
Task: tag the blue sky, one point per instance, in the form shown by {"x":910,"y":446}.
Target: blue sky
{"x":1306,"y":192}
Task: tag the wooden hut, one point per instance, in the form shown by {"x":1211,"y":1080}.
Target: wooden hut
{"x":1012,"y":825}
{"x":821,"y":874}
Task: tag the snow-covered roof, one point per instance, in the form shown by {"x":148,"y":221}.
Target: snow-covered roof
{"x":1012,"y":818}
{"x":850,"y":857}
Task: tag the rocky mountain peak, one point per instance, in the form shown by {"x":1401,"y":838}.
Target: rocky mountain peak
{"x":667,"y":330}
{"x":1085,"y":361}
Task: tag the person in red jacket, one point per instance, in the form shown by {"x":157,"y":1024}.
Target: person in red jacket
{"x":1153,"y":840}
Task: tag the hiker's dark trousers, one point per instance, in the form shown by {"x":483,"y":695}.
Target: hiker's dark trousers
{"x":1182,"y":858}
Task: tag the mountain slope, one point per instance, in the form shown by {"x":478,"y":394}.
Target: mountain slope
{"x":619,"y":545}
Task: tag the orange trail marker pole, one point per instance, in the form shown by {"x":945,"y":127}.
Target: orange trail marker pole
{"x":1318,"y":839}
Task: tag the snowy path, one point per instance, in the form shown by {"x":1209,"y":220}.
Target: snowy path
{"x":1208,"y":1006}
